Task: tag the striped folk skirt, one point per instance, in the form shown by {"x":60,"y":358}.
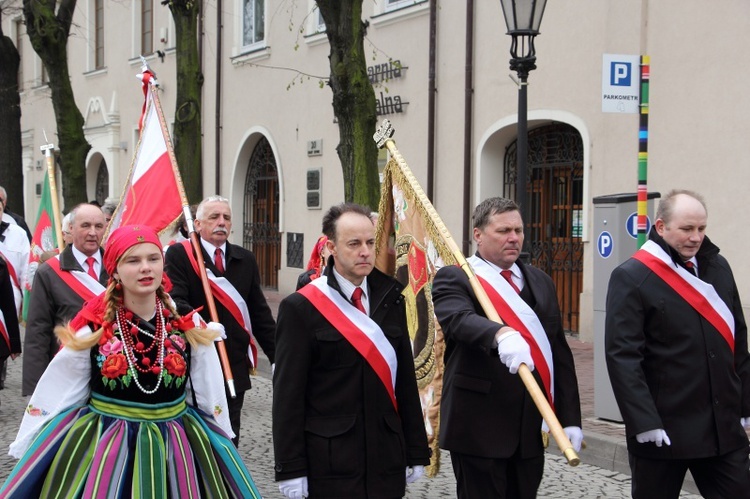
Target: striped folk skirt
{"x":111,"y":448}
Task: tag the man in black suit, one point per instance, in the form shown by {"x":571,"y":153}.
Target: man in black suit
{"x":488,"y":420}
{"x":676,"y":350}
{"x":347,"y":420}
{"x":240,"y":302}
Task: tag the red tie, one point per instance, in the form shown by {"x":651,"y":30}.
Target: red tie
{"x":357,"y":300}
{"x":90,"y":261}
{"x":509,"y":277}
{"x":691,"y":268}
{"x":218,"y":261}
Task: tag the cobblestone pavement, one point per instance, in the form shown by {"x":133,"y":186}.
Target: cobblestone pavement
{"x":590,"y":480}
{"x":256,"y":448}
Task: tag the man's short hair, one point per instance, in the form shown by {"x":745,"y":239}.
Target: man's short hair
{"x":210,"y":199}
{"x":335,"y":212}
{"x":75,"y":210}
{"x":489,"y":207}
{"x":666,"y":205}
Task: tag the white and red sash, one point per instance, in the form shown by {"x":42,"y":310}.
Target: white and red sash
{"x":697,"y":293}
{"x":4,"y":330}
{"x":231,"y":299}
{"x":517,"y":314}
{"x":80,"y":282}
{"x":13,"y":275}
{"x":363,"y":333}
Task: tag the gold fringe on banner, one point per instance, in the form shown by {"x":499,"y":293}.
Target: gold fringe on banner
{"x":409,"y":247}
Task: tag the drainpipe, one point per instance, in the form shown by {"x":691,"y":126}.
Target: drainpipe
{"x":468,"y":115}
{"x":201,"y":35}
{"x":431,"y":94}
{"x":219,"y":56}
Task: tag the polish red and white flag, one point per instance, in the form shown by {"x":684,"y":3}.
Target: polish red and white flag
{"x":151,"y":195}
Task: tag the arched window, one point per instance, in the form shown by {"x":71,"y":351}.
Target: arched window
{"x":102,"y":183}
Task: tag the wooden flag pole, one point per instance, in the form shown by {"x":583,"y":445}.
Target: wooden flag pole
{"x":220,"y":346}
{"x":49,"y":154}
{"x":383,"y":137}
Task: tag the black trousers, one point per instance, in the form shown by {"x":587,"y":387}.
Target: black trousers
{"x":235,"y":414}
{"x":483,"y":478}
{"x":720,"y":477}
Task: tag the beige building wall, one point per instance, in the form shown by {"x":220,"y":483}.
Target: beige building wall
{"x":698,"y":123}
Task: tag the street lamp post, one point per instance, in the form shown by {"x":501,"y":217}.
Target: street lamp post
{"x":522,"y":18}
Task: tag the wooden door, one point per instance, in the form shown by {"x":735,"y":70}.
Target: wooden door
{"x":261,"y":214}
{"x":555,"y":196}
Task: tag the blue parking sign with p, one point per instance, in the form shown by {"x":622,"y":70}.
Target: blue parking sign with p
{"x":620,"y":74}
{"x":604,"y":244}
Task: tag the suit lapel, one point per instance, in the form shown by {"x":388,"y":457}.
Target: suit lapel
{"x":231,"y":256}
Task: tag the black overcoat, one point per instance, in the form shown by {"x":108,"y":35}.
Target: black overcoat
{"x":333,"y":420}
{"x":670,"y":368}
{"x":241,"y":270}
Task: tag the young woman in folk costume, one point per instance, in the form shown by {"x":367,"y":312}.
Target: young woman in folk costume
{"x":134,"y":404}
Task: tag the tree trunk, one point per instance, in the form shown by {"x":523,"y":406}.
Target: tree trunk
{"x":187,"y":129}
{"x":353,"y":100}
{"x":11,"y":165}
{"x":48,"y":33}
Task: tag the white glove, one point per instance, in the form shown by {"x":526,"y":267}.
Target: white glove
{"x":745,"y":422}
{"x":575,"y":435}
{"x":414,"y":473}
{"x":514,"y":351}
{"x":219,"y":328}
{"x":294,"y":488}
{"x":656,"y":436}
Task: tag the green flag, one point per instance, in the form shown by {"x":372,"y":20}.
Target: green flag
{"x":43,"y":241}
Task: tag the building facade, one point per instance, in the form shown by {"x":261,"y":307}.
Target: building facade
{"x":269,"y":135}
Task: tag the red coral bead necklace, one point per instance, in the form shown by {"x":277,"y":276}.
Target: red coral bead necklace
{"x":131,"y":344}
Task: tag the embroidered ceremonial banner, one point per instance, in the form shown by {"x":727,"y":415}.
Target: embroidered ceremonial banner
{"x":409,"y":247}
{"x":230,"y":298}
{"x":151,"y":195}
{"x":360,"y":331}
{"x":43,"y":241}
{"x":517,"y":314}
{"x":699,"y":294}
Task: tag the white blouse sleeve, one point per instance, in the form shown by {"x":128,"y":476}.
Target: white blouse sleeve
{"x":207,"y":382}
{"x":64,"y":384}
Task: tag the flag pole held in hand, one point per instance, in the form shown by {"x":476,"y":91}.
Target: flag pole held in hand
{"x":383,"y":138}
